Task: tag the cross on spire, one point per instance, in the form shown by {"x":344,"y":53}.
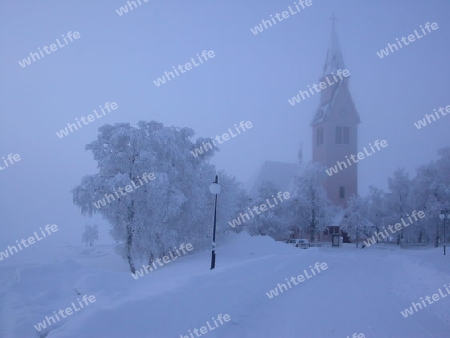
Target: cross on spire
{"x":333,"y":23}
{"x":333,"y":18}
{"x":334,"y":59}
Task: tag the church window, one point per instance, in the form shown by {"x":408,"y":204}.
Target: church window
{"x":338,"y":135}
{"x":319,"y":136}
{"x":346,"y":137}
{"x":342,"y":135}
{"x":342,"y":192}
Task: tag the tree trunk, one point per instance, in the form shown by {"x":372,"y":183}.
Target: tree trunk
{"x":313,"y":226}
{"x":151,"y":259}
{"x":130,"y":230}
{"x":312,"y":234}
{"x":129,"y":244}
{"x":130,"y":237}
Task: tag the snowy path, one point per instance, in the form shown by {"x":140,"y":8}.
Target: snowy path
{"x":362,"y":291}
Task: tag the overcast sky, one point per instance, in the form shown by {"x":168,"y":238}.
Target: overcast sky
{"x":250,"y":78}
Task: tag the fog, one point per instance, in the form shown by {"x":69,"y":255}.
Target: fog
{"x":250,"y":78}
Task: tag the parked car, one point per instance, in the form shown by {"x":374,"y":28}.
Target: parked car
{"x":299,"y":243}
{"x":303,"y":243}
{"x":294,"y":242}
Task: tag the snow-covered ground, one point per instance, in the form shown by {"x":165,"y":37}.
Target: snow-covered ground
{"x":362,"y":291}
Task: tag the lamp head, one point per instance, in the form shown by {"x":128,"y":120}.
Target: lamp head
{"x":214,"y":188}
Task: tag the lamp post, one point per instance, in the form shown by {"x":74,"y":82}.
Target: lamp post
{"x":442,"y":215}
{"x":437,"y":234}
{"x":357,"y":235}
{"x":214,"y":188}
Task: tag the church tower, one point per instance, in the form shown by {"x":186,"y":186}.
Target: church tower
{"x":335,"y":127}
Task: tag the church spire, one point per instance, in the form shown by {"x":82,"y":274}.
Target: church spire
{"x":334,"y":59}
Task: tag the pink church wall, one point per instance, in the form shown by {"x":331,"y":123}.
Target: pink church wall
{"x":329,"y":153}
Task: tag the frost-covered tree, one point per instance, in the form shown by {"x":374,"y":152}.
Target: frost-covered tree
{"x":232,"y":200}
{"x":431,"y":193}
{"x":443,"y":179}
{"x":355,"y":221}
{"x":274,"y":221}
{"x":173,"y":207}
{"x":427,"y":191}
{"x":157,"y":213}
{"x":90,"y":234}
{"x":425,"y":196}
{"x":310,"y":206}
{"x":377,"y":210}
{"x":398,"y":198}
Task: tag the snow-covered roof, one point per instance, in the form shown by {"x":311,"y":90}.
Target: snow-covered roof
{"x":324,"y":110}
{"x":333,"y":62}
{"x":337,"y":219}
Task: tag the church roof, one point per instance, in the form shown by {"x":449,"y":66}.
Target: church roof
{"x":280,"y":174}
{"x":324,"y":110}
{"x":338,"y":217}
{"x":334,"y":60}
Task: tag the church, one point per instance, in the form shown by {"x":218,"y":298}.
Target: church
{"x":335,"y":128}
{"x":334,"y":136}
